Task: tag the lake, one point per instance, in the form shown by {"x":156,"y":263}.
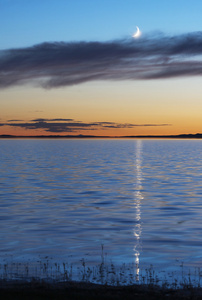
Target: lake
{"x":126,"y":201}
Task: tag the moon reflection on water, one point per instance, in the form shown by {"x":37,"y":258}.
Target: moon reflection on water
{"x":137,"y":201}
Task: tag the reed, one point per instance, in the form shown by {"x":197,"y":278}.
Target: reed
{"x":105,"y":273}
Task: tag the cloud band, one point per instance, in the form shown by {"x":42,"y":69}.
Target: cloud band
{"x":70,"y":125}
{"x":64,"y":64}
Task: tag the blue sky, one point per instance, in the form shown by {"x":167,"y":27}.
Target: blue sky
{"x":27,"y":22}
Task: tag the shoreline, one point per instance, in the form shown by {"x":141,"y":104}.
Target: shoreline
{"x":20,"y":290}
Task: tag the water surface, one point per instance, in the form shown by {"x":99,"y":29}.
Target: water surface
{"x":63,"y":199}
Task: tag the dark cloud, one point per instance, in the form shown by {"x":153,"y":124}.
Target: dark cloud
{"x":65,"y":64}
{"x":70,"y":125}
{"x":43,"y":120}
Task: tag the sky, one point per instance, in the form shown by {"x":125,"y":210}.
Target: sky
{"x":73,"y":67}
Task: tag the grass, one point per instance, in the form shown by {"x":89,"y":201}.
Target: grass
{"x":43,"y":289}
{"x":105,"y":273}
{"x":45,"y":279}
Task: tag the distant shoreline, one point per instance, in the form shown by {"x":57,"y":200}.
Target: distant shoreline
{"x":80,"y":136}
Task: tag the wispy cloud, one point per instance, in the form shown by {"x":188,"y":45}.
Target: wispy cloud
{"x":14,"y":120}
{"x":65,"y":64}
{"x":70,"y":125}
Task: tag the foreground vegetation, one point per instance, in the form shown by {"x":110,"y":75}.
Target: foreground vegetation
{"x":45,"y":280}
{"x":104,"y":273}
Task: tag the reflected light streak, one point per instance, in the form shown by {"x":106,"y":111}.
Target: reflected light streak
{"x":137,"y":202}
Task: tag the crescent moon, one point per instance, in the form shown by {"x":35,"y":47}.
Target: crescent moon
{"x":137,"y":33}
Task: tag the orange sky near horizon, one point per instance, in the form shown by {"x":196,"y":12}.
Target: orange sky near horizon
{"x":176,"y":102}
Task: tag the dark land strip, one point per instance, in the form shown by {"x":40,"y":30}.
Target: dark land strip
{"x":39,"y":290}
{"x":80,"y":136}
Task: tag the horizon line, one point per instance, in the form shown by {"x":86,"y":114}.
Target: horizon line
{"x":81,"y":136}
